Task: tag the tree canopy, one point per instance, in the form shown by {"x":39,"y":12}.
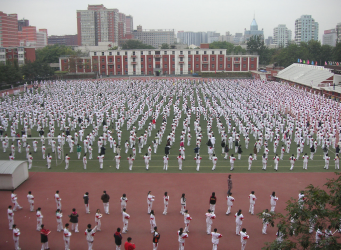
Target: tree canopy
{"x":51,"y":54}
{"x":165,"y":46}
{"x":256,"y":44}
{"x":136,"y":44}
{"x":229,"y":47}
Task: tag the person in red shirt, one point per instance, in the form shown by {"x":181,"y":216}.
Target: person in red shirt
{"x":128,"y":245}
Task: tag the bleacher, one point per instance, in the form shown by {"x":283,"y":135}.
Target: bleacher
{"x":309,"y":75}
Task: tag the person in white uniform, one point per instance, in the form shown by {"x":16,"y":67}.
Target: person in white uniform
{"x":16,"y":234}
{"x":98,"y":217}
{"x":165,"y":203}
{"x":239,"y":221}
{"x":30,"y":199}
{"x":152,"y":221}
{"x":39,"y":219}
{"x":123,"y":201}
{"x":125,"y":217}
{"x":252,"y":198}
{"x":67,"y":236}
{"x":90,"y":233}
{"x":10,"y":216}
{"x":59,"y":216}
{"x":243,"y":238}
{"x":14,"y":199}
{"x":230,"y":201}
{"x":58,"y":200}
{"x":187,"y":220}
{"x":165,"y":162}
{"x":181,"y":239}
{"x":210,"y":216}
{"x":215,"y":239}
{"x":183,"y":204}
{"x":265,"y":216}
{"x":273,"y":200}
{"x":150,"y":199}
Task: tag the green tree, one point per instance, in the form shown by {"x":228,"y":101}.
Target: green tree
{"x":9,"y":73}
{"x":164,"y":46}
{"x":229,"y":47}
{"x":51,"y":54}
{"x":256,"y":44}
{"x":337,"y":53}
{"x":320,"y":209}
{"x":35,"y":71}
{"x":136,"y":44}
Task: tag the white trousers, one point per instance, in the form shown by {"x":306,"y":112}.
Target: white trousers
{"x":39,"y":222}
{"x":59,"y":205}
{"x":272,"y":208}
{"x":106,"y":207}
{"x":292,"y":167}
{"x":98,"y":224}
{"x":16,"y":243}
{"x":208,"y":228}
{"x":45,"y":246}
{"x":252,"y":208}
{"x":125,"y":226}
{"x":183,"y":208}
{"x":238,"y":228}
{"x":155,"y":245}
{"x":181,"y":246}
{"x":243,"y":245}
{"x":165,"y":208}
{"x":74,"y":226}
{"x":150,"y":205}
{"x":16,"y":206}
{"x":228,"y":209}
{"x":265,"y":226}
{"x":198,"y":166}
{"x":212,"y":207}
{"x":118,"y":247}
{"x":215,"y":247}
{"x":165,"y":166}
{"x":59,"y":225}
{"x":67,"y":243}
{"x":10,"y":223}
{"x":186,"y":227}
{"x":90,"y":244}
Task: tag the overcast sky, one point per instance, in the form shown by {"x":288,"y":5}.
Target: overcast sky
{"x":59,"y":17}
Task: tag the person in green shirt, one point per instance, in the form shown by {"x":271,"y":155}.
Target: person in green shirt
{"x":79,"y":150}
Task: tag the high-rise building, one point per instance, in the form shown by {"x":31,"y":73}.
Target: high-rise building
{"x":253,"y":31}
{"x":68,"y":40}
{"x":122,"y":25}
{"x":41,"y":38}
{"x":192,"y":38}
{"x":329,"y":37}
{"x":268,"y":41}
{"x":338,"y":32}
{"x":154,"y":37}
{"x":129,"y":24}
{"x":238,"y":38}
{"x":23,"y":23}
{"x":282,"y":35}
{"x":8,"y":30}
{"x":97,"y":24}
{"x":306,"y":29}
{"x":212,"y":36}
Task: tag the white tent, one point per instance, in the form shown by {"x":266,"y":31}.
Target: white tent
{"x":12,"y":174}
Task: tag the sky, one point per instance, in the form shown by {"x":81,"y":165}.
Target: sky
{"x":59,"y":17}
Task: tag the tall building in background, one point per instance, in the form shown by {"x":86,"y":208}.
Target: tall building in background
{"x":23,"y":23}
{"x":329,"y":37}
{"x":122,"y":26}
{"x":253,"y":31}
{"x":212,"y":36}
{"x":338,"y":32}
{"x":306,"y":29}
{"x":129,"y":24}
{"x":41,"y":38}
{"x":282,"y":35}
{"x":192,"y":38}
{"x":97,"y":24}
{"x":268,"y":41}
{"x":8,"y":30}
{"x":68,"y":40}
{"x":154,"y":37}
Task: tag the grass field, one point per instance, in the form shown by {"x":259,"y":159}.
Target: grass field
{"x":156,"y":163}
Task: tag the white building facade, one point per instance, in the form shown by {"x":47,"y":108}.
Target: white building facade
{"x":306,"y":29}
{"x":282,"y":35}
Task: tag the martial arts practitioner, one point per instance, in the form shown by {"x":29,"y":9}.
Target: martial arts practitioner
{"x":14,"y":199}
{"x":85,"y":161}
{"x":232,"y":160}
{"x":30,"y":199}
{"x":152,"y":221}
{"x":301,"y":199}
{"x":226,"y":151}
{"x":16,"y":234}
{"x":215,"y":239}
{"x":214,"y":161}
{"x":181,"y":238}
{"x":39,"y":219}
{"x":118,"y":238}
{"x":100,"y":159}
{"x":125,"y":217}
{"x":86,"y":202}
{"x":265,"y":216}
{"x":123,"y":201}
{"x":326,"y":161}
{"x":273,"y":200}
{"x":337,"y":161}
{"x":79,"y":151}
{"x":49,"y":160}
{"x":58,"y":200}
{"x":187,"y":220}
{"x":276,"y":160}
{"x":252,"y":198}
{"x":67,"y":236}
{"x":230,"y":201}
{"x":239,"y":221}
{"x":98,"y":217}
{"x":90,"y":233}
{"x":130,"y":161}
{"x":44,"y":237}
{"x":10,"y":216}
{"x":213,"y":201}
{"x":264,"y":162}
{"x":156,"y":239}
{"x":250,"y":159}
{"x":105,"y":199}
{"x":282,"y":152}
{"x":74,"y":220}
{"x":30,"y":160}
{"x":165,"y":162}
{"x":118,"y":160}
{"x":165,"y":203}
{"x":197,"y":161}
{"x":146,"y":160}
{"x":180,"y":161}
{"x":150,"y":199}
{"x":305,"y":161}
{"x":319,"y":235}
{"x":209,"y":217}
{"x":183,"y":204}
{"x":243,"y":238}
{"x":67,"y":161}
{"x":292,"y":162}
{"x":59,"y":216}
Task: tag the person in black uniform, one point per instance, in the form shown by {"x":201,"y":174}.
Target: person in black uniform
{"x":118,"y":238}
{"x":86,"y":202}
{"x":156,"y":238}
{"x":74,"y":220}
{"x":102,"y":150}
{"x":213,"y":200}
{"x":167,"y":150}
{"x":43,"y":237}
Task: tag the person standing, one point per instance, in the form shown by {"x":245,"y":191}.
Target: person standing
{"x":264,"y":161}
{"x":100,"y":159}
{"x":240,"y":151}
{"x":156,"y":238}
{"x":197,"y":161}
{"x":130,"y":161}
{"x":215,"y":239}
{"x":67,"y":236}
{"x":98,"y":217}
{"x":59,"y":216}
{"x":79,"y":151}
{"x":232,"y":159}
{"x":183,"y":204}
{"x":74,"y":220}
{"x":187,"y":220}
{"x":30,"y":160}
{"x":150,"y":199}
{"x":179,"y":161}
{"x":10,"y":216}
{"x":214,"y":161}
{"x":243,"y":238}
{"x":125,"y":217}
{"x":165,"y":203}
{"x":213,"y":200}
{"x":86,"y":202}
{"x":44,"y":237}
{"x":337,"y":161}
{"x":326,"y":161}
{"x":105,"y":199}
{"x":90,"y":233}
{"x":118,"y":238}
{"x":265,"y":216}
{"x":273,"y":200}
{"x":152,"y":221}
{"x":16,"y":234}
{"x":230,"y":201}
{"x":209,"y":217}
{"x":146,"y":160}
{"x":39,"y":219}
{"x":292,"y":162}
{"x":250,"y":159}
{"x":239,"y":221}
{"x":30,"y":199}
{"x":255,"y":151}
{"x":49,"y":160}
{"x":229,"y":184}
{"x":165,"y":162}
{"x":123,"y":201}
{"x":226,"y":151}
{"x":181,"y":239}
{"x":128,"y":245}
{"x":252,"y":198}
{"x":305,"y":161}
{"x":58,"y":200}
{"x":118,"y":160}
{"x":14,"y":199}
{"x":276,"y":160}
{"x":67,"y":161}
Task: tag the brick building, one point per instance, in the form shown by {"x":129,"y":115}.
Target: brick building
{"x":168,"y":61}
{"x":8,"y":30}
{"x":68,"y":40}
{"x":20,"y":54}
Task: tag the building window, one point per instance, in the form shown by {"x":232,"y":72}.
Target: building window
{"x":197,"y":52}
{"x":65,"y":60}
{"x":149,"y":66}
{"x":102,"y":53}
{"x":126,"y":53}
{"x":149,"y":59}
{"x":95,"y":67}
{"x":220,"y":65}
{"x":212,"y":65}
{"x":189,"y":66}
{"x":110,"y":53}
{"x":110,"y":59}
{"x":157,"y":59}
{"x":251,"y":65}
{"x":149,"y":52}
{"x":118,"y":66}
{"x":110,"y":66}
{"x":213,"y":58}
{"x":142,"y":66}
{"x":80,"y":67}
{"x":95,"y":54}
{"x":118,"y":59}
{"x":181,"y":59}
{"x":221,"y":52}
{"x":165,"y":59}
{"x":103,"y":66}
{"x":252,"y":59}
{"x":165,"y":52}
{"x":220,"y":59}
{"x":205,"y":59}
{"x":118,"y":53}
{"x":126,"y":59}
{"x":212,"y":52}
{"x":141,"y":59}
{"x":165,"y":65}
{"x":102,"y":59}
{"x":189,"y":52}
{"x":244,"y":59}
{"x":197,"y":66}
{"x":197,"y":59}
{"x":189,"y":59}
{"x":228,"y":65}
{"x":133,"y":53}
{"x":141,"y":52}
{"x":244,"y":66}
{"x":173,"y":52}
{"x":173,"y":59}
{"x":181,"y":53}
{"x":229,"y":59}
{"x":204,"y":66}
{"x":173,"y":66}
